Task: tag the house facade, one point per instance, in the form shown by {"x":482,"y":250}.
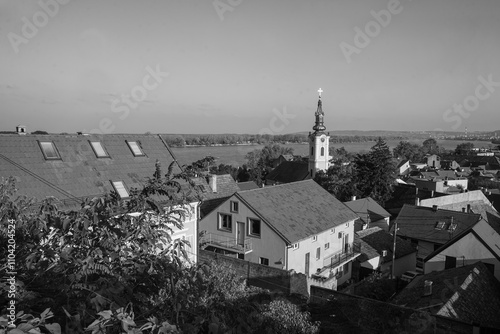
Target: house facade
{"x":297,"y":226}
{"x":370,"y":213}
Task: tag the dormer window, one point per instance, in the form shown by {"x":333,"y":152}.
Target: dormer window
{"x":135,"y":148}
{"x":452,"y":227}
{"x":99,"y":150}
{"x":120,"y":188}
{"x":49,"y":150}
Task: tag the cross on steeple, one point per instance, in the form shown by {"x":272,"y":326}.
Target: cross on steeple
{"x":320,"y":91}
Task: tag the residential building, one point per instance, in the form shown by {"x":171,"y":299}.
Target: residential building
{"x":297,"y":226}
{"x":370,"y":214}
{"x":403,"y":167}
{"x":377,"y":248}
{"x":431,"y":228}
{"x":470,"y":294}
{"x":480,"y":242}
{"x":213,"y":190}
{"x":433,"y":161}
{"x":75,"y":166}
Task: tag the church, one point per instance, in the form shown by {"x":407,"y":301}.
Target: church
{"x":318,"y":158}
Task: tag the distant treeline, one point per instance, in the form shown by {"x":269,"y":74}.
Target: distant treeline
{"x":246,"y":139}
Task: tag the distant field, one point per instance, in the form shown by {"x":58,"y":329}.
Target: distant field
{"x":235,"y":155}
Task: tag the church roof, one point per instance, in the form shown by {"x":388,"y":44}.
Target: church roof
{"x":297,"y":210}
{"x":289,"y":171}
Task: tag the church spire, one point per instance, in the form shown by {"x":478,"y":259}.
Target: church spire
{"x":319,"y":127}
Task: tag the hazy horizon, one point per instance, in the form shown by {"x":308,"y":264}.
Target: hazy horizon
{"x":240,"y":66}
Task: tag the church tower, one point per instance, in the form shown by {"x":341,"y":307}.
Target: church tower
{"x":318,"y":142}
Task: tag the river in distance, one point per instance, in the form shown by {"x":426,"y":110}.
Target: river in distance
{"x":235,"y":154}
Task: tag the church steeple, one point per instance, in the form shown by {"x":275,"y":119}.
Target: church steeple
{"x":318,"y":142}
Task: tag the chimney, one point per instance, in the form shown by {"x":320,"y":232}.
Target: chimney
{"x":432,"y":193}
{"x":21,"y":129}
{"x":417,"y":201}
{"x":463,"y":210}
{"x":427,"y":288}
{"x":468,"y":208}
{"x":353,"y":198}
{"x":212,"y":182}
{"x":434,"y":207}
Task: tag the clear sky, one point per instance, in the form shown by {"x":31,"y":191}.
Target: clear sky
{"x":248,"y":66}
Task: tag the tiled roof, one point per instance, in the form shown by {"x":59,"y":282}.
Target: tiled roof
{"x":407,"y":194}
{"x":289,"y":171}
{"x":439,"y":175}
{"x":247,"y":185}
{"x":470,"y":294}
{"x":368,"y":207}
{"x":374,"y":240}
{"x":79,"y":173}
{"x":402,"y":162}
{"x":226,"y":186}
{"x":420,"y":223}
{"x":297,"y":210}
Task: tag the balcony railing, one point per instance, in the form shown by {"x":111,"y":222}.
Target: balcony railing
{"x":222,"y":241}
{"x":349,"y":252}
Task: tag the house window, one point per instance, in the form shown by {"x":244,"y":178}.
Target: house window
{"x":135,"y":148}
{"x":322,"y":151}
{"x":346,"y":268}
{"x":327,"y":245}
{"x":99,"y":150}
{"x":450,"y":262}
{"x":234,"y":206}
{"x":318,"y":253}
{"x":120,"y":188}
{"x":295,"y":246}
{"x":452,"y":227}
{"x":346,"y":224}
{"x":254,"y":227}
{"x":225,"y":222}
{"x":49,"y":150}
{"x":315,"y":238}
{"x":439,"y":225}
{"x":332,"y":230}
{"x":264,"y":261}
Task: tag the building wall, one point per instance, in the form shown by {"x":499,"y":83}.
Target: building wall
{"x":467,"y":250}
{"x":402,"y":264}
{"x":189,"y":232}
{"x":269,"y":245}
{"x":297,"y":257}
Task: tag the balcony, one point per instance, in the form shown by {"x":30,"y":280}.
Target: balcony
{"x":349,"y":253}
{"x":225,"y":242}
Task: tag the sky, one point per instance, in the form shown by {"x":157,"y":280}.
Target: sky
{"x":249,"y":66}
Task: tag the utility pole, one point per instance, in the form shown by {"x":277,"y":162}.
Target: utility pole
{"x":394,"y":248}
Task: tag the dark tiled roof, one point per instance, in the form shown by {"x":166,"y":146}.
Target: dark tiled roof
{"x":495,"y":200}
{"x":225,"y":186}
{"x":375,"y":240}
{"x":289,"y":171}
{"x":439,"y":175}
{"x":402,"y":162}
{"x":247,"y":185}
{"x":80,"y":173}
{"x":297,"y":210}
{"x":419,"y":223}
{"x":470,"y":294}
{"x":407,"y":194}
{"x":368,"y":207}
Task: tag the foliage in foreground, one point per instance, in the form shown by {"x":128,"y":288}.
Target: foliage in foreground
{"x":112,"y":267}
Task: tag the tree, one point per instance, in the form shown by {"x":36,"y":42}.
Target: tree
{"x":374,"y":173}
{"x":464,"y":148}
{"x":337,"y":180}
{"x":260,"y":162}
{"x":40,"y":132}
{"x":99,"y":256}
{"x":430,"y":146}
{"x":408,"y":151}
